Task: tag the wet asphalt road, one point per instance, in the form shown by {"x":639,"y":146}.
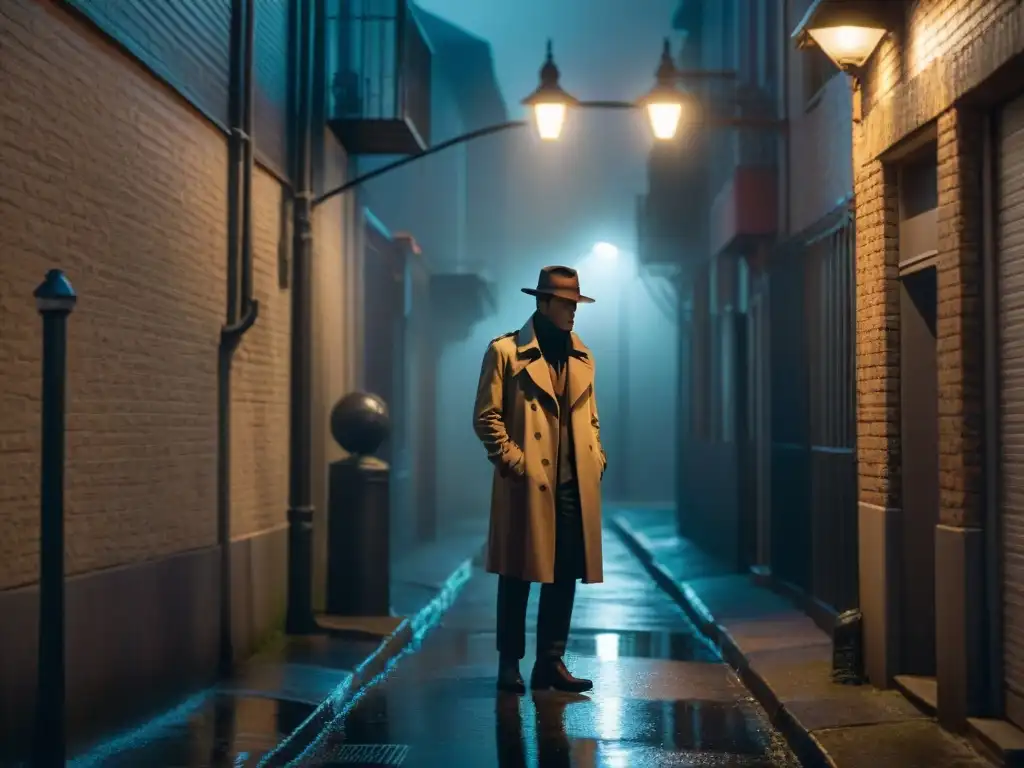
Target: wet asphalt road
{"x":661,"y":696}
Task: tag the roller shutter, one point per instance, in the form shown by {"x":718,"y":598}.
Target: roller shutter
{"x":1010,"y":223}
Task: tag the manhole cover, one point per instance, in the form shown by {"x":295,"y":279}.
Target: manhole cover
{"x":369,"y":755}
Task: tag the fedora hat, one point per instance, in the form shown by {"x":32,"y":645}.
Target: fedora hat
{"x":563,"y":282}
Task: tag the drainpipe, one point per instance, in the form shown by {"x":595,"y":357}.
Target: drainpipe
{"x":299,"y":618}
{"x":785,"y":147}
{"x":242,"y":308}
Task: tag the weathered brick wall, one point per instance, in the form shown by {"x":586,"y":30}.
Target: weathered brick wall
{"x":111,"y":176}
{"x":945,"y":49}
{"x":960,"y":336}
{"x":878,"y":330}
{"x":932,"y":29}
{"x":259,"y":418}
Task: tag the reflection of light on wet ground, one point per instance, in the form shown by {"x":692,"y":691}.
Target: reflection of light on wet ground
{"x":662,"y":697}
{"x":609,"y":718}
{"x":615,"y":757}
{"x":607,"y":646}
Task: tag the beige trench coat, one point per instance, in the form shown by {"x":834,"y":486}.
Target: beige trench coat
{"x":516,"y":418}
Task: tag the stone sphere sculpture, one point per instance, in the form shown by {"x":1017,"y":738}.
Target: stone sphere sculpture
{"x":360,"y":423}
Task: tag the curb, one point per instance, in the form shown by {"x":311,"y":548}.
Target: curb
{"x":406,"y":638}
{"x":808,"y":749}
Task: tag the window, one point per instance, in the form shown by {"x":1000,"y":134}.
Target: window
{"x":818,"y":70}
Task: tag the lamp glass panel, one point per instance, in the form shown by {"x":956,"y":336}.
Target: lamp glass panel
{"x":847,"y":46}
{"x":664,"y":118}
{"x":550,"y":119}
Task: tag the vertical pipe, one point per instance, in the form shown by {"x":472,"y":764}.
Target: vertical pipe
{"x":225,"y":651}
{"x":236,"y":98}
{"x":299,"y":618}
{"x":399,"y":84}
{"x":248,"y":87}
{"x":242,"y":310}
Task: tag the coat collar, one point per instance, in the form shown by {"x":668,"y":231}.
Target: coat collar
{"x":581,"y":365}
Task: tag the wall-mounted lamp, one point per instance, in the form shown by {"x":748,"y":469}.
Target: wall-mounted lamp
{"x":848,"y":32}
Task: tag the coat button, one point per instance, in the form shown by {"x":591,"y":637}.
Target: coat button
{"x":537,"y":435}
{"x":543,"y":488}
{"x":533,"y":406}
{"x":544,"y":462}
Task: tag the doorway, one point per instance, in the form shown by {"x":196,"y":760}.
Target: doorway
{"x":919,"y":395}
{"x":919,"y":408}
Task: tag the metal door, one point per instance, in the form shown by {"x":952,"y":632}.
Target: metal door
{"x":1010,"y":277}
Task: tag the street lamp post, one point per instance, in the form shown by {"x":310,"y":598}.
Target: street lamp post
{"x":666,"y":106}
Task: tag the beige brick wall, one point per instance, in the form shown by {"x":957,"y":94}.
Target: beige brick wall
{"x":259,"y":417}
{"x":960,"y":320}
{"x":111,"y":176}
{"x":933,"y":29}
{"x":945,"y":49}
{"x":878,"y":329}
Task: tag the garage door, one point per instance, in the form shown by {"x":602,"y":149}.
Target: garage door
{"x":1011,"y":350}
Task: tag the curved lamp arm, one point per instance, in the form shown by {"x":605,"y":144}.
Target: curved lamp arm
{"x":500,"y":127}
{"x":434,"y":149}
{"x":477,"y":134}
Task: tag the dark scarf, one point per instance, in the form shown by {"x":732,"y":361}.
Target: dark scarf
{"x":554,"y":342}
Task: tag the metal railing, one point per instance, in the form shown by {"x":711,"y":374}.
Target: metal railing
{"x":379,"y":63}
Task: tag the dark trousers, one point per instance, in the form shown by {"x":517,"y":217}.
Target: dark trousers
{"x":556,"y":599}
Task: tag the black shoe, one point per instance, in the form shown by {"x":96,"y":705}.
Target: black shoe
{"x":552,"y":674}
{"x":509,"y":678}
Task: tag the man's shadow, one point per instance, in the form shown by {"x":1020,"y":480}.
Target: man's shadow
{"x":553,"y":747}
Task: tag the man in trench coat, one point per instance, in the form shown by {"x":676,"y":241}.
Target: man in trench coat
{"x":536,"y":415}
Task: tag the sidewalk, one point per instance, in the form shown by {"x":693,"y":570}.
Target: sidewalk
{"x":285,"y":695}
{"x":785,"y":660}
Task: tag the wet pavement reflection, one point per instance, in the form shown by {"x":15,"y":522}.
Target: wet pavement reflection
{"x":662,"y":697}
{"x":213,"y":729}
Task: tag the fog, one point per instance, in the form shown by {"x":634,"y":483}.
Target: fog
{"x":504,"y":206}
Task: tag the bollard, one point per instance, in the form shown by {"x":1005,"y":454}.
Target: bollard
{"x":358,"y":559}
{"x":55,"y":299}
{"x":847,"y":649}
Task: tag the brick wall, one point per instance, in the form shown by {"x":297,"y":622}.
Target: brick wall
{"x":960,"y":321}
{"x":878,"y":329}
{"x":259,"y":417}
{"x":932,"y":29}
{"x":944,"y":50}
{"x":112,"y":177}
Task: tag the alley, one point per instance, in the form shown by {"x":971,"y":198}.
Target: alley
{"x":662,"y":697}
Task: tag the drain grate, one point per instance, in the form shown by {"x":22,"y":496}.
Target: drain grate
{"x":367,"y":755}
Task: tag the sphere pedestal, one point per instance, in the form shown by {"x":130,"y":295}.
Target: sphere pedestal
{"x":358,"y":512}
{"x":359,"y":559}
